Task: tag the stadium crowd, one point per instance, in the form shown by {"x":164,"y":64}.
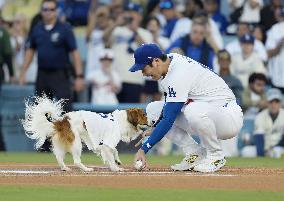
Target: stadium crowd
{"x":241,"y":40}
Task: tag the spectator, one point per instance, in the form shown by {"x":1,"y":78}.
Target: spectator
{"x":154,"y":27}
{"x":99,"y":21}
{"x":153,"y":10}
{"x":195,"y":45}
{"x":53,"y":42}
{"x":6,"y":56}
{"x":247,"y":62}
{"x":234,"y":47}
{"x":275,"y":48}
{"x":269,"y":127}
{"x":116,"y":8}
{"x":168,"y":10}
{"x":18,"y":36}
{"x":105,"y":81}
{"x":254,"y":96}
{"x":224,"y":61}
{"x":249,"y":12}
{"x":269,"y":10}
{"x":192,"y":7}
{"x":212,"y":8}
{"x":76,"y":11}
{"x":183,"y":27}
{"x":235,"y":4}
{"x":125,"y":35}
{"x":258,"y":33}
{"x":151,"y":91}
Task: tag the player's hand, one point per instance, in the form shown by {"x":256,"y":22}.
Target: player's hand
{"x":79,"y":84}
{"x":146,"y":133}
{"x":140,"y":155}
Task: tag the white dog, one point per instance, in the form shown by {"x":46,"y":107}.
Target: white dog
{"x":100,"y":132}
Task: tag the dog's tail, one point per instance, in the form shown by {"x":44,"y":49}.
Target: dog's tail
{"x":40,"y":114}
{"x":64,"y":132}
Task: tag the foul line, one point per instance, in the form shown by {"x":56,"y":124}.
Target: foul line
{"x":109,"y":174}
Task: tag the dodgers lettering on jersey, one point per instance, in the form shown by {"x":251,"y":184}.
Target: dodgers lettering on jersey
{"x":188,"y":79}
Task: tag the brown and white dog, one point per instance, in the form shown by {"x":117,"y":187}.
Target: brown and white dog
{"x":100,"y":132}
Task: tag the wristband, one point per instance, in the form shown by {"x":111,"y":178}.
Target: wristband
{"x":80,"y":76}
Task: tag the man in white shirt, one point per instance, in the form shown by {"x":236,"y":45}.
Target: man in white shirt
{"x":247,"y":61}
{"x":234,"y":47}
{"x":275,"y":48}
{"x":125,"y":35}
{"x":269,"y":126}
{"x":196,"y":99}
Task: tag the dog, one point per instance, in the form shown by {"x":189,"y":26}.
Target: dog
{"x":45,"y":119}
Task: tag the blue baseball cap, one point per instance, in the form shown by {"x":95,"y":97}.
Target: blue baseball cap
{"x":247,"y":38}
{"x":144,"y":55}
{"x":135,"y":7}
{"x":167,"y":4}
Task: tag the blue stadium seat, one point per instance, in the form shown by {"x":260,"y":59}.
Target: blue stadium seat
{"x":12,"y":110}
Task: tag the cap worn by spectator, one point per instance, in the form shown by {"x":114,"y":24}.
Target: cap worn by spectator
{"x":144,"y":56}
{"x":106,"y":54}
{"x":274,"y":94}
{"x":135,"y":7}
{"x":247,"y":38}
{"x":167,"y":4}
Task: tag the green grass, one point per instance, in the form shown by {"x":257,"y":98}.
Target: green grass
{"x":89,"y":158}
{"x":27,"y":193}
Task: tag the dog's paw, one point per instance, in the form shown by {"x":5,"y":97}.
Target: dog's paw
{"x":116,"y":169}
{"x":88,"y":169}
{"x":66,"y":169}
{"x":118,"y":162}
{"x":121,"y":169}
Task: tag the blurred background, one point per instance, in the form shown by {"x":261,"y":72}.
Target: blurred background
{"x":81,"y":50}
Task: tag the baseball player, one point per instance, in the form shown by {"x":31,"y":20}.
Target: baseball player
{"x":197,"y":100}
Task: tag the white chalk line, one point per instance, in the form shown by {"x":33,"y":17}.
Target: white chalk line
{"x":47,"y":165}
{"x":25,"y":172}
{"x":107,"y":174}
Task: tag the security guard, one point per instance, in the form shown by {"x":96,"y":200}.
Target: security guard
{"x":53,"y":41}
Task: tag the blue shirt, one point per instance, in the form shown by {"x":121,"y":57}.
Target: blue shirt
{"x":193,"y":52}
{"x":53,"y":46}
{"x":221,"y":21}
{"x":169,"y":27}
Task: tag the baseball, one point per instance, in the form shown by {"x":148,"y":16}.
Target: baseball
{"x":138,"y":165}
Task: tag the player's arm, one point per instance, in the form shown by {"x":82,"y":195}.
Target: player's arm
{"x":170,"y":112}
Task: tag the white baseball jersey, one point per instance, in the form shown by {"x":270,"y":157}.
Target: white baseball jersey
{"x":187,"y":79}
{"x":272,"y":131}
{"x":276,"y":63}
{"x":102,"y":128}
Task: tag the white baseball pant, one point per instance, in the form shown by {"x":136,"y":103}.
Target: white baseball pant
{"x":211,"y":122}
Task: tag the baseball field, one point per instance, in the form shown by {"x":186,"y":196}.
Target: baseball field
{"x":36,"y":176}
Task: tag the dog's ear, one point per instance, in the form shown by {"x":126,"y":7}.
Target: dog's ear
{"x":142,"y":117}
{"x":136,"y":116}
{"x":132,"y":116}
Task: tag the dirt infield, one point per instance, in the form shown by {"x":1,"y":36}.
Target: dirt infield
{"x":231,"y":178}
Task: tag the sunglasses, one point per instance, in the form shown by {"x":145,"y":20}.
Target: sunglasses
{"x":48,"y":9}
